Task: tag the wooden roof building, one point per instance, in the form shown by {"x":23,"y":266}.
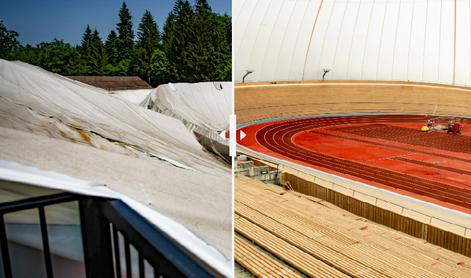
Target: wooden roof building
{"x":114,"y":83}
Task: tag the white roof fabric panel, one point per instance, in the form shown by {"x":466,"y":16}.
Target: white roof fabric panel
{"x":39,"y":181}
{"x":202,"y":107}
{"x":463,"y":42}
{"x":406,"y":40}
{"x":60,"y":125}
{"x":206,"y":105}
{"x":137,"y":97}
{"x":73,"y":107}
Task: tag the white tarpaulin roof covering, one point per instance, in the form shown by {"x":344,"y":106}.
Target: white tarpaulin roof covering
{"x":56,"y":183}
{"x":137,"y":96}
{"x":203,"y":107}
{"x":418,"y":40}
{"x":60,"y":125}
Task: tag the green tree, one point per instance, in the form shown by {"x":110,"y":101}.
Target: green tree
{"x":168,"y":38}
{"x":148,"y":35}
{"x":121,"y":68}
{"x":202,"y":7}
{"x":27,"y":54}
{"x":226,"y":48}
{"x":112,"y":48}
{"x":8,"y":41}
{"x":197,"y":43}
{"x":125,"y":33}
{"x":195,"y":46}
{"x":93,"y":52}
{"x":148,"y":41}
{"x":59,"y":57}
{"x":161,"y":70}
{"x":210,"y":52}
{"x":177,"y":33}
{"x":98,"y":56}
{"x":86,"y":38}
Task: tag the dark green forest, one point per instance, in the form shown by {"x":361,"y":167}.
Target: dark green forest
{"x":194,"y":45}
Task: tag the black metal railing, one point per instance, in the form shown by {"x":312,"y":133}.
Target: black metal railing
{"x":103,"y":223}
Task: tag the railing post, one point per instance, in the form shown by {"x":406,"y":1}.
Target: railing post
{"x":96,"y":240}
{"x":7,"y":273}
{"x":45,"y":241}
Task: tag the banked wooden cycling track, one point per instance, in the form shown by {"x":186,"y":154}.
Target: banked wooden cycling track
{"x":255,"y":102}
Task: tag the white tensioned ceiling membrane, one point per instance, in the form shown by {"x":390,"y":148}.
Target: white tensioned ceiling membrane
{"x":60,"y":125}
{"x":405,"y":40}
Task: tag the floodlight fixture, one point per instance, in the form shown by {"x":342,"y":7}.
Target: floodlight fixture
{"x":247,"y":72}
{"x":324,"y":74}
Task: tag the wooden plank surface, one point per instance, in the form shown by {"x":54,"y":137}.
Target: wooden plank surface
{"x":292,"y":255}
{"x":332,"y":97}
{"x":258,"y":263}
{"x":267,"y":215}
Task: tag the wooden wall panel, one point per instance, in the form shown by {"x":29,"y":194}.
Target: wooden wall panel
{"x":382,"y":216}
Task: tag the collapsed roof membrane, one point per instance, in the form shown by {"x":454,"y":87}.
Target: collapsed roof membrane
{"x":204,"y":108}
{"x":57,"y":124}
{"x":71,"y":110}
{"x":19,"y":182}
{"x":137,"y":97}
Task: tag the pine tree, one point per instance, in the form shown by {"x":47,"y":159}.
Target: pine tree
{"x":168,"y":38}
{"x":148,"y":41}
{"x":111,"y":46}
{"x":178,"y":32}
{"x":125,"y":33}
{"x":98,"y":53}
{"x":226,"y":73}
{"x":202,"y":7}
{"x":211,"y":53}
{"x":148,"y":34}
{"x":92,"y":51}
{"x":169,"y":32}
{"x":86,"y":38}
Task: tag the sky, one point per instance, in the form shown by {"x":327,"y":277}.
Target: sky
{"x":38,"y":21}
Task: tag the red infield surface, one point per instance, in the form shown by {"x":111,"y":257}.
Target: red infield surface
{"x":388,"y":151}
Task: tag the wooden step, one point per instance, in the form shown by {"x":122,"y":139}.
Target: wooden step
{"x":257,"y":262}
{"x":328,"y":233}
{"x":286,"y":252}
